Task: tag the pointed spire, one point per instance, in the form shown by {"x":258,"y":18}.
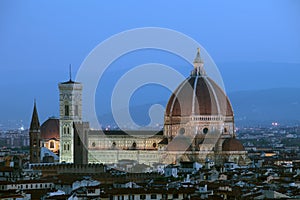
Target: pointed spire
{"x":198,"y":65}
{"x":35,"y":124}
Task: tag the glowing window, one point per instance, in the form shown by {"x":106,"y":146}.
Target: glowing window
{"x":52,"y":144}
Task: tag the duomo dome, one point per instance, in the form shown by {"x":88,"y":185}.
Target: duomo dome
{"x":199,"y":118}
{"x":198,"y":106}
{"x":199,"y":95}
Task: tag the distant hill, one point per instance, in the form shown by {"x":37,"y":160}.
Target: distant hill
{"x":250,"y":107}
{"x":282,"y":104}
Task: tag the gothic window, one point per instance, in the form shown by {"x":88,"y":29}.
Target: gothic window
{"x":65,"y":147}
{"x":68,"y":147}
{"x":65,"y":130}
{"x":68,"y":130}
{"x":34,"y":142}
{"x":52,"y":144}
{"x":76,"y":110}
{"x":66,"y":110}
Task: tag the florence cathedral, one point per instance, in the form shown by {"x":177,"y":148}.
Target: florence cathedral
{"x":198,"y":125}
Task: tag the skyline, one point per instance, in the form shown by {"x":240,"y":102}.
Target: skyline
{"x":40,"y":40}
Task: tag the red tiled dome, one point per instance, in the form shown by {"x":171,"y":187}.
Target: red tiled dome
{"x":50,"y":129}
{"x":232,"y":144}
{"x":198,"y":95}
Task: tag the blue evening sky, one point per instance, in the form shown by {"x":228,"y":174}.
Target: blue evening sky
{"x":255,"y":44}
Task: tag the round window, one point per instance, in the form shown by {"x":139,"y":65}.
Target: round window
{"x":134,"y":144}
{"x":205,"y":130}
{"x":182,"y":131}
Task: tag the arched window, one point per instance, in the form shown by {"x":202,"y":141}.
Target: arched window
{"x":76,"y":110}
{"x":52,"y":144}
{"x":66,"y":110}
{"x":134,"y":145}
{"x":68,"y":130}
{"x":113,"y":146}
{"x":68,"y":147}
{"x":34,"y":142}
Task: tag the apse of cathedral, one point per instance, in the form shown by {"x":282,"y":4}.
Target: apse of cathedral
{"x":198,"y":125}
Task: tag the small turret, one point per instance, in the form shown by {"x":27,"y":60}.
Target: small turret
{"x":198,"y":65}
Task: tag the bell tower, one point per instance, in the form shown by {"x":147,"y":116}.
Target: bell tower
{"x":35,"y":137}
{"x":70,"y":111}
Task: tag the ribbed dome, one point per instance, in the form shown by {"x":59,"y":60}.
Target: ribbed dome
{"x":232,"y":144}
{"x":50,"y":129}
{"x":198,"y":95}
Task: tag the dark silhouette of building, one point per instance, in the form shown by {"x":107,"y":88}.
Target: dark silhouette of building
{"x":81,"y":142}
{"x":35,"y":136}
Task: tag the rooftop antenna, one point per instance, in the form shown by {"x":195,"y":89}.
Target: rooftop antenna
{"x":70,"y":72}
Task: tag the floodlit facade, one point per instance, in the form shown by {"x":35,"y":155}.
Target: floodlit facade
{"x":198,"y":125}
